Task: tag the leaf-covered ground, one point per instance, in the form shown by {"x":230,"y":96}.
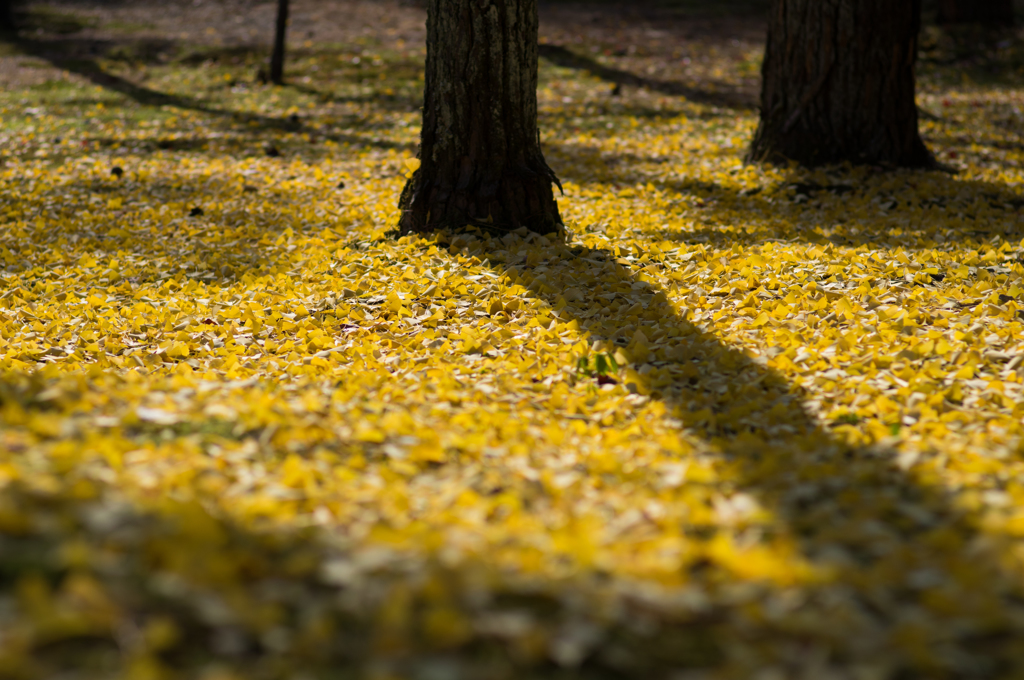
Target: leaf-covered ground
{"x":741,"y":422}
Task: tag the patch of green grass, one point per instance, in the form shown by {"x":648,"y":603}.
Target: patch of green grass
{"x":55,"y":85}
{"x":9,"y":49}
{"x":34,"y":64}
{"x":128,"y":26}
{"x":54,"y":20}
{"x":846,"y":419}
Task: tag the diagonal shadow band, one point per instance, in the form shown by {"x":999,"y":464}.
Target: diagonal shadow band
{"x":76,"y":57}
{"x":905,"y":577}
{"x":856,"y":569}
{"x":727,"y":97}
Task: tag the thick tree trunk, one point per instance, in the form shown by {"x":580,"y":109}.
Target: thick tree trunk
{"x":480,"y":157}
{"x":7,"y":16}
{"x":280,"y":31}
{"x":838,"y":84}
{"x":993,"y":12}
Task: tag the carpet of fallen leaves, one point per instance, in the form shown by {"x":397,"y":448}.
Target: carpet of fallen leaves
{"x":740,"y":422}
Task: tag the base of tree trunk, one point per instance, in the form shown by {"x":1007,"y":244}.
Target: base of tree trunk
{"x":7,"y":23}
{"x":776,"y":147}
{"x":481,"y":163}
{"x":838,"y":85}
{"x":522,"y":198}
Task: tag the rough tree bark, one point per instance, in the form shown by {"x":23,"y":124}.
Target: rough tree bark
{"x":7,"y":16}
{"x":280,"y":31}
{"x":838,"y":84}
{"x":480,"y":157}
{"x":992,"y":12}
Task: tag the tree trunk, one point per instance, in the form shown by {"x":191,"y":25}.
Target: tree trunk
{"x":480,"y":157}
{"x":7,"y":17}
{"x":992,"y":12}
{"x":838,"y":84}
{"x":277,"y":58}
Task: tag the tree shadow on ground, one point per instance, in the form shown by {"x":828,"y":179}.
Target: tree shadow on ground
{"x":388,"y":102}
{"x":308,"y":147}
{"x":848,"y":206}
{"x":68,"y":54}
{"x":873,"y":561}
{"x":894,"y":550}
{"x":723,"y":96}
{"x":80,"y":57}
{"x":163,"y":562}
{"x":879,"y":570}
